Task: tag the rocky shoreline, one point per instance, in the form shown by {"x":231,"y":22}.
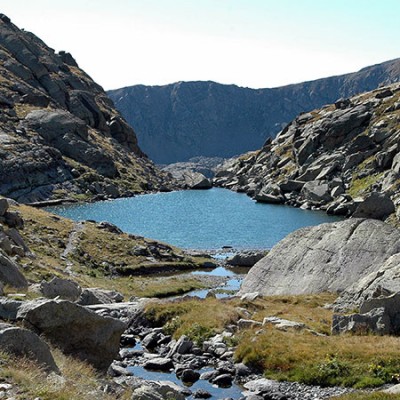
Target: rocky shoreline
{"x":342,"y":158}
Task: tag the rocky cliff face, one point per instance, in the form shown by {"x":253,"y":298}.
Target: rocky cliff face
{"x":59,"y":132}
{"x":186,"y":119}
{"x":343,"y":158}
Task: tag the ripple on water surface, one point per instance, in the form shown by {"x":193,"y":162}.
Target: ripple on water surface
{"x":192,"y":219}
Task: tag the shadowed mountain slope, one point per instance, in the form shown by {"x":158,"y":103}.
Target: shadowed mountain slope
{"x":186,"y":119}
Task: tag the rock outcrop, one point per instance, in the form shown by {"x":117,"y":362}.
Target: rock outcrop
{"x":11,"y":244}
{"x":379,"y":315}
{"x":245,"y":258}
{"x":342,"y":158}
{"x":185,"y":119}
{"x":74,"y":329}
{"x":327,"y":257}
{"x":91,"y":296}
{"x":60,"y":134}
{"x":383,"y":281}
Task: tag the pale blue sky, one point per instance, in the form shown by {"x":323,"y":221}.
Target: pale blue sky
{"x":253,"y":43}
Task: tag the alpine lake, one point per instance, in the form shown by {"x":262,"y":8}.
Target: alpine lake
{"x":219,"y":221}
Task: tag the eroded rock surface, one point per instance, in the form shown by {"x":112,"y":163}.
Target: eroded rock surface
{"x":327,"y":257}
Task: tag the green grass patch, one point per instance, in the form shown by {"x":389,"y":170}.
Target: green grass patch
{"x":360,"y":186}
{"x":368,"y":396}
{"x":352,"y":361}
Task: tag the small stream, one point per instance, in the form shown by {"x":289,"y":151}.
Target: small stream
{"x":234,"y":277}
{"x":234,"y":392}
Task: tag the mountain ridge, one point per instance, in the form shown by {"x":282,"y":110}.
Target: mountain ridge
{"x":182,"y":120}
{"x":60,"y":135}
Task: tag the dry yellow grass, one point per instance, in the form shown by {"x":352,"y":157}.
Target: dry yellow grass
{"x":307,"y":309}
{"x":312,"y":357}
{"x":193,"y":317}
{"x":325,"y":360}
{"x":78,"y":380}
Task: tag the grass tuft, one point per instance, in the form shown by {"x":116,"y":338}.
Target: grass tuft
{"x":78,"y":380}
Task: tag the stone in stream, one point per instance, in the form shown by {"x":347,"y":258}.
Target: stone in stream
{"x":242,"y":370}
{"x":201,"y":394}
{"x":208,"y":376}
{"x":159,"y":364}
{"x":150,"y":341}
{"x":151,"y":390}
{"x":182,"y":346}
{"x":189,"y":376}
{"x":128,"y":340}
{"x":224,"y":380}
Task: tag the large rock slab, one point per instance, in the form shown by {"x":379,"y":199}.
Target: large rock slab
{"x":327,"y":257}
{"x":75,"y":330}
{"x":151,"y":390}
{"x":24,"y":343}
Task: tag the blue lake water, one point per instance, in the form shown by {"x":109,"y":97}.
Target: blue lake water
{"x":206,"y":219}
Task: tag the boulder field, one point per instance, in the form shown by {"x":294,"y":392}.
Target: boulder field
{"x":343,"y":158}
